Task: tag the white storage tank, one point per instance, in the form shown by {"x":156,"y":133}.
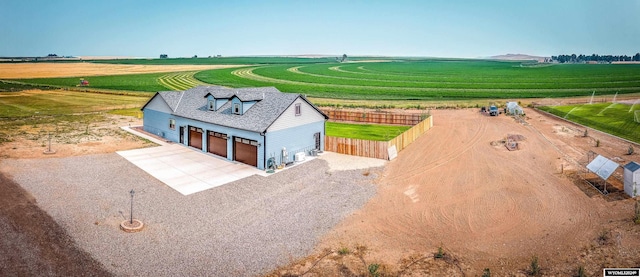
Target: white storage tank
{"x":632,"y":179}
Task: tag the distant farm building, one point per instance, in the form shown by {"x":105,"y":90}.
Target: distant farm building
{"x":632,"y":179}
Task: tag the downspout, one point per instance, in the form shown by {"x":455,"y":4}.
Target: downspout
{"x":264,"y":150}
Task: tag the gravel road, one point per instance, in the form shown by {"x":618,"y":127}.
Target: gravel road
{"x":244,"y":228}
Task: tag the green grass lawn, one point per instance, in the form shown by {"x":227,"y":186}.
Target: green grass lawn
{"x":615,"y":119}
{"x":364,"y":131}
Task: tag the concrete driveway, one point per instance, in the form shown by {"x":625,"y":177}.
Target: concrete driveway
{"x":187,"y":170}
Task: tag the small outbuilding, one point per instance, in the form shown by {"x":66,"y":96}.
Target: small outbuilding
{"x":632,"y":179}
{"x":514,"y":109}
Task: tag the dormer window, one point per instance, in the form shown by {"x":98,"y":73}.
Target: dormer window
{"x":212,"y":105}
{"x":236,"y":108}
{"x":298,"y":109}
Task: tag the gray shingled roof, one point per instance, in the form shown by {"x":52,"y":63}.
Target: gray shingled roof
{"x":192,"y":103}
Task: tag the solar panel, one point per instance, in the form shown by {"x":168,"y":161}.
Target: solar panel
{"x":602,"y":167}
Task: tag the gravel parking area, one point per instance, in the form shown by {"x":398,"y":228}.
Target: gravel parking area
{"x":244,"y":228}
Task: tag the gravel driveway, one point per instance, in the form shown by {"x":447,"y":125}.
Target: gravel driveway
{"x":244,"y":228}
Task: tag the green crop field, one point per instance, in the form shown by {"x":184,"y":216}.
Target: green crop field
{"x":434,"y":79}
{"x":399,"y":79}
{"x":613,"y":118}
{"x":364,"y":131}
{"x":135,"y":82}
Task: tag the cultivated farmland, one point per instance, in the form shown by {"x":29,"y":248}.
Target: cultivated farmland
{"x":392,"y":80}
{"x":434,"y":79}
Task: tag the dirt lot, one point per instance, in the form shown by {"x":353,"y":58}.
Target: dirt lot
{"x":98,"y":137}
{"x":454,"y":189}
{"x":486,"y":206}
{"x":52,"y":70}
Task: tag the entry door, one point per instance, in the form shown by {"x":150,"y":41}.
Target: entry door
{"x":181,"y":135}
{"x":316,"y":136}
{"x":245,"y":151}
{"x":195,"y":137}
{"x":217,"y":143}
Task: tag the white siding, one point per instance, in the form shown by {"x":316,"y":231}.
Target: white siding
{"x":158,"y":104}
{"x":632,"y":182}
{"x":288,"y":119}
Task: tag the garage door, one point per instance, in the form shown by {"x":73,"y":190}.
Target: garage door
{"x":217,"y":143}
{"x":195,"y":137}
{"x":246,"y":151}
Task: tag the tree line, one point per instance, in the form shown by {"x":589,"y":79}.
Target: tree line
{"x":573,"y":58}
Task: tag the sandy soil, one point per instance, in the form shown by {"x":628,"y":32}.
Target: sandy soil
{"x":488,"y":207}
{"x":51,"y":70}
{"x":102,"y":137}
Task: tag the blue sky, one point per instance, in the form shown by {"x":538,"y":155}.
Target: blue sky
{"x":391,"y":28}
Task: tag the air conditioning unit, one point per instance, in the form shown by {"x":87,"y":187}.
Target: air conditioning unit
{"x":299,"y":156}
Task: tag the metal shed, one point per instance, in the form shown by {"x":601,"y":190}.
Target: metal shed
{"x":632,"y":179}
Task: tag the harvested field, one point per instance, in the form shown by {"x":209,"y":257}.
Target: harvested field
{"x":52,"y":70}
{"x":488,"y":207}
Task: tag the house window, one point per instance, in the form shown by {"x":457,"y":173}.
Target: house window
{"x":172,"y":124}
{"x":298,"y":109}
{"x":212,"y":106}
{"x":236,"y":108}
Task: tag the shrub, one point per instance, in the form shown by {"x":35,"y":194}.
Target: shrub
{"x":581,"y":272}
{"x":534,"y":269}
{"x":603,"y":237}
{"x":373,"y":270}
{"x":439,"y":254}
{"x":486,"y":272}
{"x":637,"y":216}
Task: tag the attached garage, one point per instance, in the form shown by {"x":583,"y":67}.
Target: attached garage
{"x":195,"y":137}
{"x":217,"y":143}
{"x":245,"y":151}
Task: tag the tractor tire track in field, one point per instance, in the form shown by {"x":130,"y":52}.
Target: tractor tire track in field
{"x":180,"y":80}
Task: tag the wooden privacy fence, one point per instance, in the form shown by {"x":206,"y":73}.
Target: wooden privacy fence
{"x":373,"y":117}
{"x":376,"y":149}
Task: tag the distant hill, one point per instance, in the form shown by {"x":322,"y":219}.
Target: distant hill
{"x":518,"y":57}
